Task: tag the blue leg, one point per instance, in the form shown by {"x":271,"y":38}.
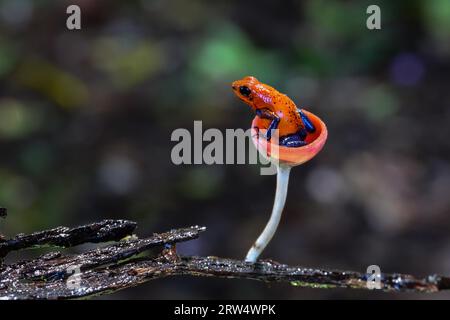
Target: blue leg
{"x":293,"y":140}
{"x":308,"y":124}
{"x":273,"y":126}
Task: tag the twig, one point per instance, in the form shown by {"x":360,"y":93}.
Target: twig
{"x":123,"y":265}
{"x":106,"y":230}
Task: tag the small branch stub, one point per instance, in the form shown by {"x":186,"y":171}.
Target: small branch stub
{"x":3,"y":212}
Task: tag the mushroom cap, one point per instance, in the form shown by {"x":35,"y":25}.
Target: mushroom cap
{"x":290,"y":156}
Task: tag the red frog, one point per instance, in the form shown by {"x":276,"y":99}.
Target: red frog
{"x":278,"y":108}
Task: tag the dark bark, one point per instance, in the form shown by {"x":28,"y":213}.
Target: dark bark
{"x":107,"y":230}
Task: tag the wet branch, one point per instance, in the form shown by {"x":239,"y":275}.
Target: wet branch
{"x":107,"y":230}
{"x":132,"y":261}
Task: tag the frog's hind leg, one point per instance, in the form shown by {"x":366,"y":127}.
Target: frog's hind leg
{"x":309,"y":126}
{"x":293,"y":140}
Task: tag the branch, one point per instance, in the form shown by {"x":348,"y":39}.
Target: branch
{"x":107,"y":230}
{"x":130,"y":262}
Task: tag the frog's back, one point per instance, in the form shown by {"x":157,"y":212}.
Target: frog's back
{"x":290,"y":120}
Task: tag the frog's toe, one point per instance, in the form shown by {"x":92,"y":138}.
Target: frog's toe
{"x":256,"y":134}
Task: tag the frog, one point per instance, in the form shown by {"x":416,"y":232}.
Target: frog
{"x":292,"y":123}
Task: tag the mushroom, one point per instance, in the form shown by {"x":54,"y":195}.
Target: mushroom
{"x":284,"y":158}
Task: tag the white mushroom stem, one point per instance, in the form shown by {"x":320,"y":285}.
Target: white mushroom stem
{"x":278,"y":205}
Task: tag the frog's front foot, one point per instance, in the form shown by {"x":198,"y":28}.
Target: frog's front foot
{"x":265,"y":134}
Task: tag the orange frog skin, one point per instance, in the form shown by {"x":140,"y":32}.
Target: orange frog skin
{"x":279,"y":110}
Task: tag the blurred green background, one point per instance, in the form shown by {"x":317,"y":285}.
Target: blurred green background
{"x":86,"y":118}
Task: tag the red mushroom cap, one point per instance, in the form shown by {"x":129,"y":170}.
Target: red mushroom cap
{"x":291,"y":156}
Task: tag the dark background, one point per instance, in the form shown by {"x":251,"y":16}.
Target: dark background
{"x":86,"y":118}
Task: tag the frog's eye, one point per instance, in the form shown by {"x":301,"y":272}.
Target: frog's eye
{"x":245,"y":91}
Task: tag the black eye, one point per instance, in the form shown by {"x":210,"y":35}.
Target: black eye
{"x":245,"y":91}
